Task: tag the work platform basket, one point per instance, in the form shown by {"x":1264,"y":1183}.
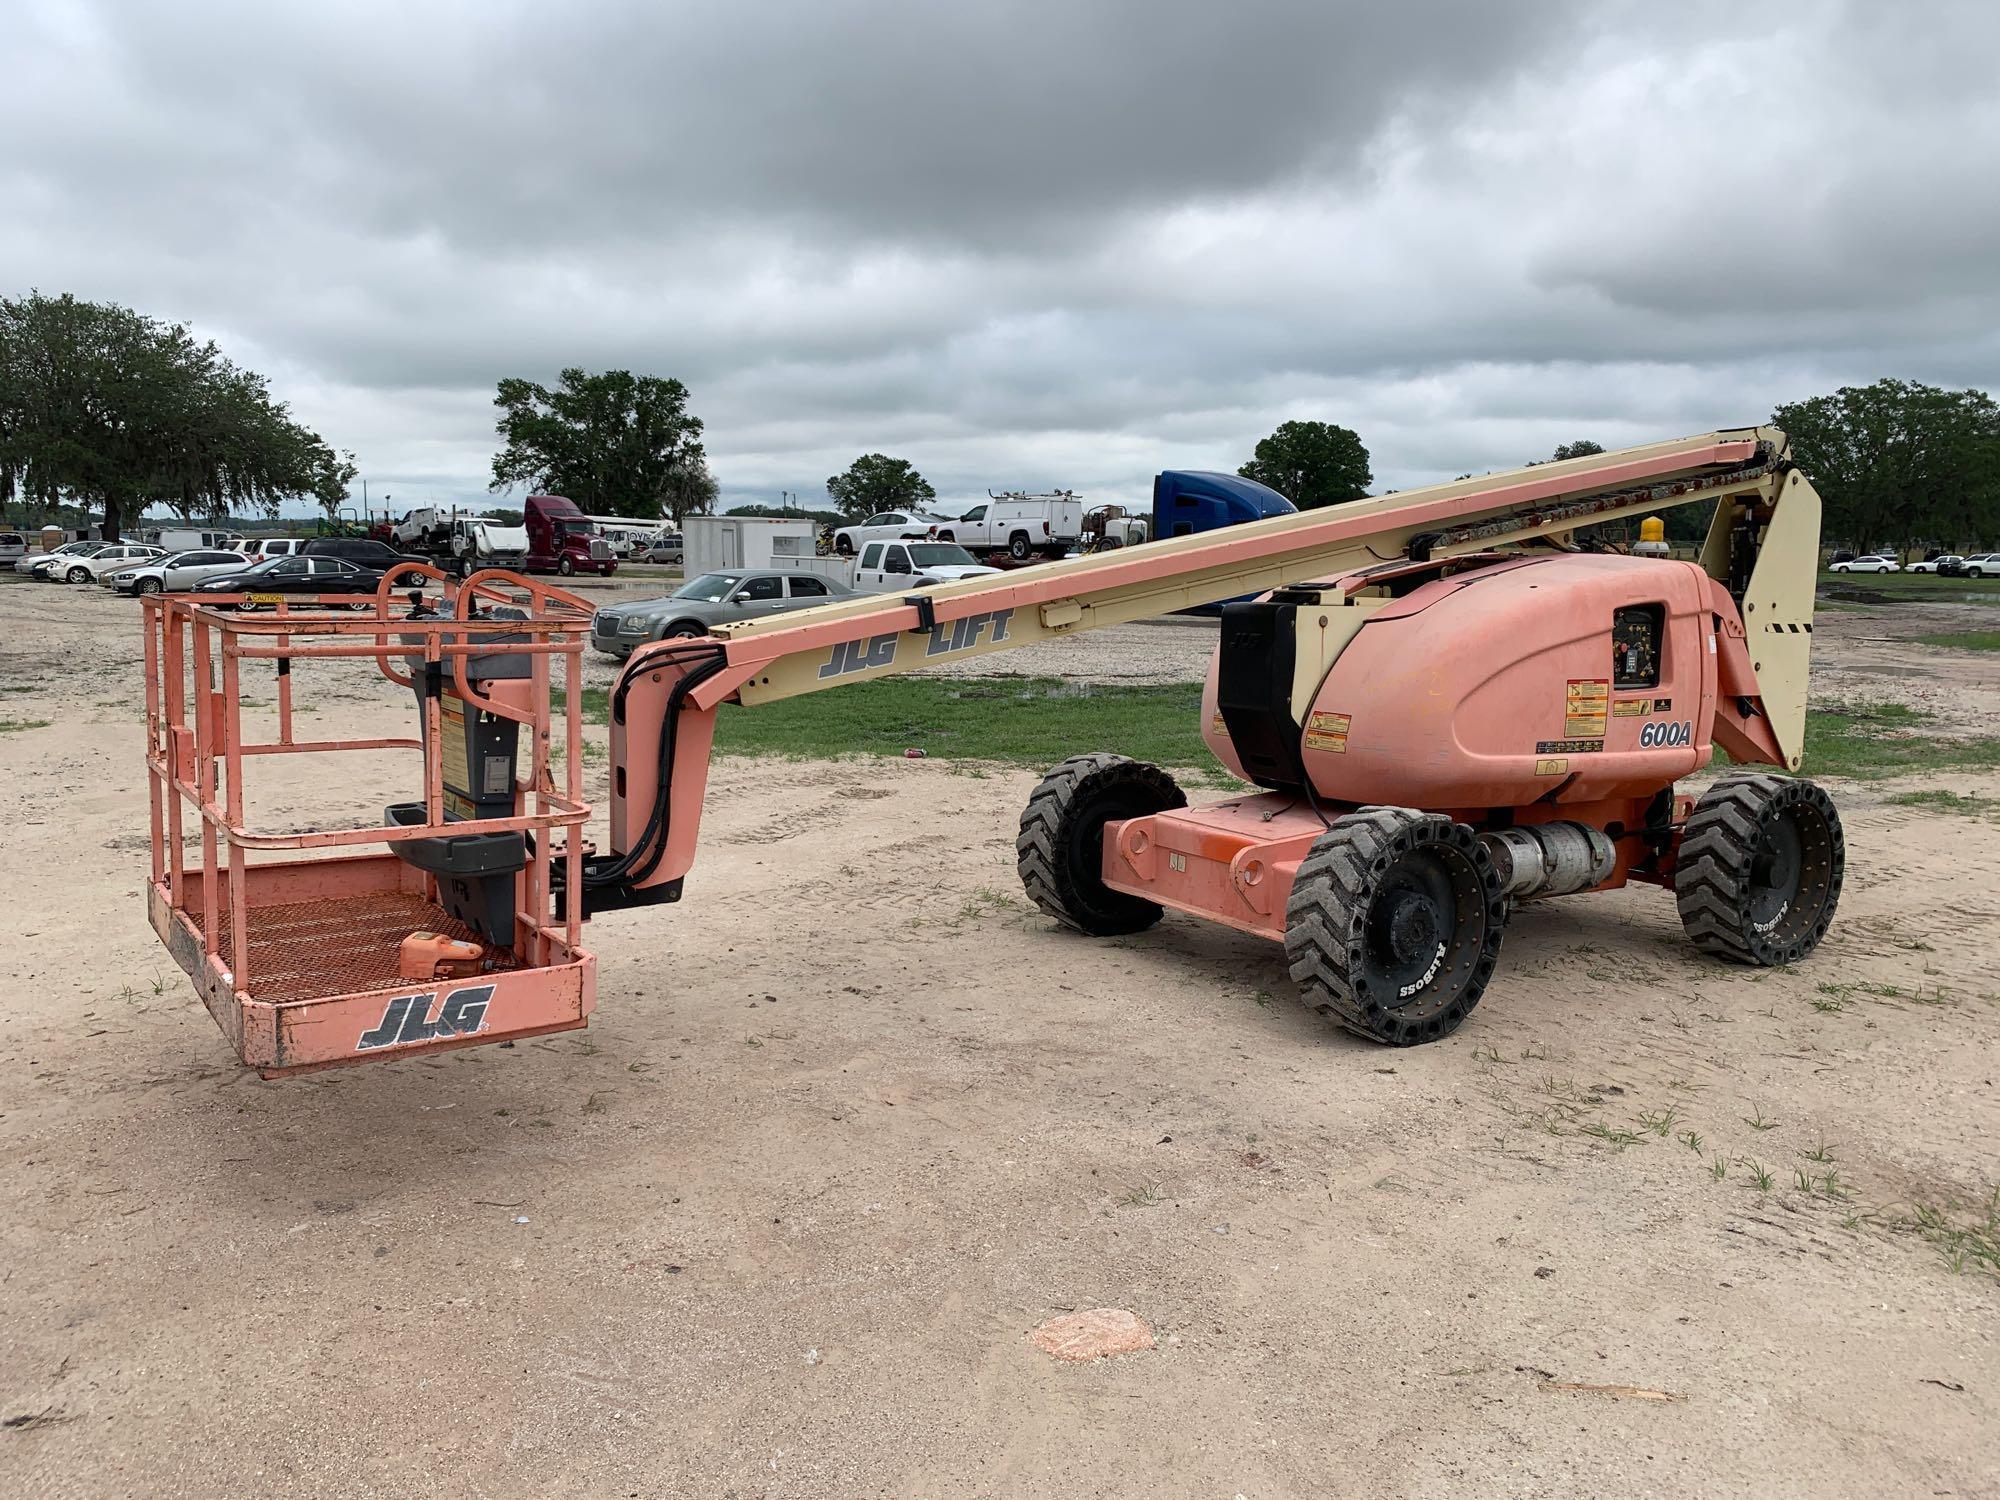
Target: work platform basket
{"x":296,"y":941}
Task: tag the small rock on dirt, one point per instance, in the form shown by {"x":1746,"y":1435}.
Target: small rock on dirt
{"x":1099,"y":1333}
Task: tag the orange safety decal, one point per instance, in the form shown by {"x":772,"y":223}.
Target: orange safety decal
{"x":1216,"y":725}
{"x":1327,"y":731}
{"x":1585,"y":704}
{"x":1632,"y":708}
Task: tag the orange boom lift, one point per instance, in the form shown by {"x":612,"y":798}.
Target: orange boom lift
{"x":1444,"y":708}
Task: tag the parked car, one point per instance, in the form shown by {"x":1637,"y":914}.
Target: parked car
{"x":1842,"y":555}
{"x":363,"y":551}
{"x":269,"y":581}
{"x":1983,"y":565}
{"x":1875,"y":564}
{"x":13,"y":546}
{"x":887,"y":566}
{"x":670,"y":547}
{"x":710,"y":600}
{"x":848,"y":540}
{"x":108,"y":557}
{"x":1943,"y":563}
{"x":173,"y":574}
{"x":35,"y":562}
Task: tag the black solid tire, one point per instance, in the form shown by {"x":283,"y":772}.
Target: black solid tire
{"x":1059,"y":852}
{"x":1744,"y":830}
{"x":1334,"y":918}
{"x":1018,"y":546}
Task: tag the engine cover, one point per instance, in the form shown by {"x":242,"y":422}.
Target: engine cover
{"x":1566,"y":678}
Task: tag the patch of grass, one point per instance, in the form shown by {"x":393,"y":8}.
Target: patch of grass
{"x":1965,"y":640}
{"x":1143,"y":1196}
{"x":1660,"y":1121}
{"x":1029,"y":721}
{"x":14,"y":726}
{"x":1760,"y":1175}
{"x":1612,"y":1135}
{"x":1893,"y":588}
{"x":1949,"y":802}
{"x":1759,"y":1120}
{"x":1868,"y":741}
{"x":1968,"y":1237}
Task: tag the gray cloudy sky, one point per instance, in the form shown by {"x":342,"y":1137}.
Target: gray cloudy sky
{"x":1025,"y":244}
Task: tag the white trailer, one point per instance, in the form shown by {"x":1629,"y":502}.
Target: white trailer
{"x":718,"y":543}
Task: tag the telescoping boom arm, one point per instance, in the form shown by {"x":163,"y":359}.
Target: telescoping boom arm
{"x":1762,"y":544}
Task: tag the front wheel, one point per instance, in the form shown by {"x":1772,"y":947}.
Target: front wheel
{"x":149,"y":585}
{"x":77,"y":575}
{"x":565,"y":565}
{"x":1394,"y":924}
{"x":1059,"y":853}
{"x":1760,"y":868}
{"x":684,"y":630}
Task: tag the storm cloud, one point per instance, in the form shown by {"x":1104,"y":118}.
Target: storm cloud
{"x":1025,"y":244}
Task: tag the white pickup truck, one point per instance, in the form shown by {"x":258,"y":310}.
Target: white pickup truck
{"x":884,"y":567}
{"x":1023,"y":524}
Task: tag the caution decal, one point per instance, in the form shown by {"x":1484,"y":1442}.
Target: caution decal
{"x":1586,"y":707}
{"x":1327,"y":731}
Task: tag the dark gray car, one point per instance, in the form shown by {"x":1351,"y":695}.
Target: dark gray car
{"x":711,"y":599}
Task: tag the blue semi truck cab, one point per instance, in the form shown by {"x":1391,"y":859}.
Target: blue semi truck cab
{"x":1189,"y":500}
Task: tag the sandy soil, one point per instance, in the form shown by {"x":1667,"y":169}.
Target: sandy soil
{"x":851,"y":1120}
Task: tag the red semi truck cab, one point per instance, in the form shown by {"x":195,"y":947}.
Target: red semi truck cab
{"x":561,"y":540}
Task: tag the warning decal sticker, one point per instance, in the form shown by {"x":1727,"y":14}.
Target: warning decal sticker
{"x":1632,"y":708}
{"x":1586,"y":705}
{"x":1328,"y":732}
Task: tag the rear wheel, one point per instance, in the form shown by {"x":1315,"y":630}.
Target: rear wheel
{"x":843,"y":547}
{"x":1018,"y":546}
{"x":1060,"y":850}
{"x":1394,"y":924}
{"x":1760,"y":868}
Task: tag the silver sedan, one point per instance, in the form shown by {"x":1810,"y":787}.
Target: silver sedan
{"x":710,"y":600}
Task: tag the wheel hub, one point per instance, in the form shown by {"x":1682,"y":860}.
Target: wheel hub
{"x":1412,"y":926}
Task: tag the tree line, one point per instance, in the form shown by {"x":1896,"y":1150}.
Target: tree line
{"x":103,"y":407}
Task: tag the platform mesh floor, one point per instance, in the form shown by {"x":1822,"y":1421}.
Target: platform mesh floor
{"x":347,"y":946}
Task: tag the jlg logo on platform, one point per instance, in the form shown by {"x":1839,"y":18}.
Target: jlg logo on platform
{"x":462,"y":1014}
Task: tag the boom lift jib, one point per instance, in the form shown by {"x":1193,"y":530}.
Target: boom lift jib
{"x":1446,"y":710}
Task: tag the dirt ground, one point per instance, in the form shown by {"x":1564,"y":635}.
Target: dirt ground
{"x":851,"y":1120}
